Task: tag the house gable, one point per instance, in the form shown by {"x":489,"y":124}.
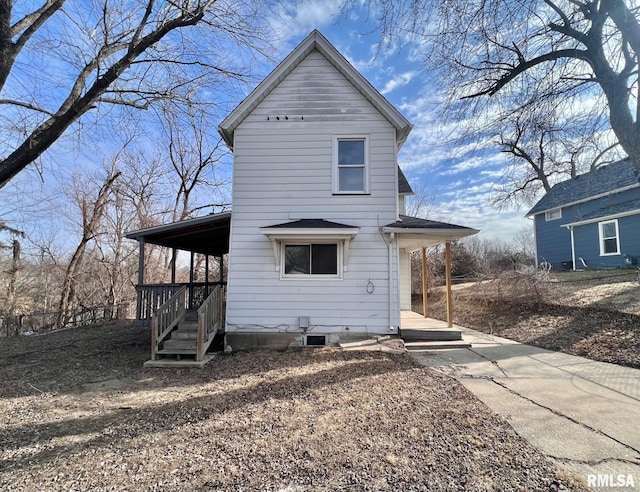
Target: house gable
{"x":315,"y":41}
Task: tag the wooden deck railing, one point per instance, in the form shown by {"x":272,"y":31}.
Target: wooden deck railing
{"x":151,"y":296}
{"x":209,"y":320}
{"x":166,"y":318}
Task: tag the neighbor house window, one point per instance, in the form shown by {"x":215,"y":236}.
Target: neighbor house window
{"x":554,"y":214}
{"x":351,"y":173}
{"x":311,"y":259}
{"x":609,"y":238}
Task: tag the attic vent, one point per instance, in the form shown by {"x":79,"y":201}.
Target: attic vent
{"x":316,"y":340}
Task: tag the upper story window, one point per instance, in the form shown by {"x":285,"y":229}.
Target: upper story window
{"x":609,"y":238}
{"x":554,"y":214}
{"x":350,"y":165}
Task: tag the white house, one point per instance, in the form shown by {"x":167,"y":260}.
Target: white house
{"x":318,"y":243}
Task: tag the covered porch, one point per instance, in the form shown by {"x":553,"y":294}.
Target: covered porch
{"x":186,"y":317}
{"x":416,"y":234}
{"x":208,"y":236}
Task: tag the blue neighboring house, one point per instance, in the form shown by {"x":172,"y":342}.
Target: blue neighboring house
{"x":590,"y":221}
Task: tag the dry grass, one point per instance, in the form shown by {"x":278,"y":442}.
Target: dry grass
{"x":598,"y":319}
{"x":79,"y":413}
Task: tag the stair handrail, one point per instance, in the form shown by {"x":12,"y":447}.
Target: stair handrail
{"x":209,"y":321}
{"x":166,"y":318}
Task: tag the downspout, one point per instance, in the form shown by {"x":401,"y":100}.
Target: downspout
{"x":389,"y":246}
{"x":573,"y":250}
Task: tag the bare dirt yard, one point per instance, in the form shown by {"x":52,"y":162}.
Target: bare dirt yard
{"x":591,"y":314}
{"x":80,"y":413}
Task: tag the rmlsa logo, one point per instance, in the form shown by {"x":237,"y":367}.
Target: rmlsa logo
{"x":602,"y":480}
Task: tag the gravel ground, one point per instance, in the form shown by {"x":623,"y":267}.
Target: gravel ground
{"x":79,"y":413}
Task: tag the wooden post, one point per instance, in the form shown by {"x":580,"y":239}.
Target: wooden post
{"x":206,"y":276}
{"x":425,"y":285}
{"x":191,"y":281}
{"x":174,"y":252}
{"x":221,"y":269}
{"x":447,"y":263}
{"x":140,"y":292}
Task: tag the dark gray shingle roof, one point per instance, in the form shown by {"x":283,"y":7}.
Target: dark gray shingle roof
{"x":617,"y":209}
{"x":404,"y":188}
{"x":407,"y":222}
{"x":309,"y":224}
{"x":597,"y":182}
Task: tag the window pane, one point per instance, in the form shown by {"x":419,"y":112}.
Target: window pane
{"x":610,"y":246}
{"x":350,"y":152}
{"x":296,"y":259}
{"x":609,"y":229}
{"x":351,"y":178}
{"x":324,"y":259}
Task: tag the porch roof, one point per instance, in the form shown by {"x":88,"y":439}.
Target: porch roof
{"x":207,"y":235}
{"x":415,"y":233}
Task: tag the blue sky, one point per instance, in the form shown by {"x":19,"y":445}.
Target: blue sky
{"x":457,"y":182}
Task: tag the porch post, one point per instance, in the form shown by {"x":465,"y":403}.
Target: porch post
{"x":221,"y":265}
{"x":447,"y":263}
{"x":206,"y":276}
{"x":139,"y":306}
{"x":191,"y":281}
{"x":425,"y":283}
{"x":173,"y":265}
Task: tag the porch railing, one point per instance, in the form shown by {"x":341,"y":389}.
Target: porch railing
{"x":167,"y":317}
{"x":151,"y":296}
{"x":209,"y":320}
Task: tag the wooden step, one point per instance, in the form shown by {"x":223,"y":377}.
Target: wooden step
{"x":188,"y":326}
{"x":184,"y":335}
{"x":179,"y":344}
{"x":436,"y":345}
{"x":444,"y":334}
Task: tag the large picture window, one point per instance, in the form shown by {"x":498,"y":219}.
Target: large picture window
{"x":609,"y":238}
{"x":350,"y":165}
{"x":311,"y":259}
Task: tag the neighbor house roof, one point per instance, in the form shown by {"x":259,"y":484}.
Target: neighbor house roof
{"x":599,"y":182}
{"x":630,"y":207}
{"x":314,"y":41}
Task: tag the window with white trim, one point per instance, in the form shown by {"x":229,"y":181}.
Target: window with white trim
{"x":609,"y":237}
{"x":554,"y":214}
{"x":350,"y":165}
{"x":311,"y":259}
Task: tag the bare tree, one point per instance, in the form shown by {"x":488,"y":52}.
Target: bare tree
{"x":518,"y":52}
{"x":107,"y":54}
{"x":92,"y":208}
{"x":542,"y":149}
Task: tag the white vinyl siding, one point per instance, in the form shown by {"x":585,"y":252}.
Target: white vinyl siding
{"x":609,"y":237}
{"x":283,"y":171}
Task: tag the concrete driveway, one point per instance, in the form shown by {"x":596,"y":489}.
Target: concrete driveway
{"x":584,"y":415}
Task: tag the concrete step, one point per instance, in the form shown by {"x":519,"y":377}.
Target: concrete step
{"x":444,"y":334}
{"x":177,"y":363}
{"x":436,"y":345}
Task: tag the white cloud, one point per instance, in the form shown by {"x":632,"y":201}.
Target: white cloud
{"x":294,"y":19}
{"x":398,"y":81}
